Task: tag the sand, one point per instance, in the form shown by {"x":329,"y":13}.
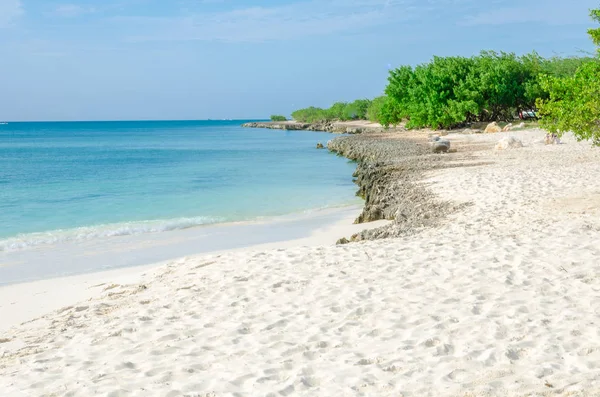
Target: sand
{"x":501,"y":300}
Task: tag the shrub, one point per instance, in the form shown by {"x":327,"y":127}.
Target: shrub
{"x":277,"y":117}
{"x":311,"y":115}
{"x":573,"y":102}
{"x":453,"y":90}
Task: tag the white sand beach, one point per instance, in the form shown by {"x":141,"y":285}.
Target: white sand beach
{"x":502,"y":300}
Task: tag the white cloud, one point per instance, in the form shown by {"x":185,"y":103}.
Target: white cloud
{"x":10,"y":10}
{"x":72,"y":10}
{"x":553,"y":13}
{"x":256,"y":24}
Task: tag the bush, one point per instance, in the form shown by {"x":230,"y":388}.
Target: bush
{"x":342,"y":111}
{"x":277,"y":117}
{"x":385,"y":111}
{"x":337,"y":111}
{"x":450,"y":91}
{"x":573,"y":102}
{"x":357,"y":110}
{"x":311,"y":115}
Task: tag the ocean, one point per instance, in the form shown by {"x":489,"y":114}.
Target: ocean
{"x":76,"y":181}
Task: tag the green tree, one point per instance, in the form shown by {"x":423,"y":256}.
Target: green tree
{"x":357,"y":110}
{"x":277,"y":117}
{"x":337,"y":111}
{"x":450,"y":91}
{"x":374,"y":109}
{"x":310,"y":115}
{"x":573,"y":102}
{"x":595,"y":33}
{"x":384,"y":110}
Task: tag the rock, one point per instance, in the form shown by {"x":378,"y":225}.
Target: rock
{"x":443,"y":133}
{"x":388,"y":176}
{"x":320,"y":146}
{"x":471,"y":131}
{"x":492,"y":128}
{"x":440,"y":146}
{"x":508,"y":143}
{"x":552,"y":139}
{"x":522,"y":125}
{"x":342,"y":241}
{"x":434,"y":138}
{"x":507,"y":127}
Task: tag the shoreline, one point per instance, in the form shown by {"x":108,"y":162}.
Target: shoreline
{"x":63,"y":259}
{"x":336,"y":127}
{"x":21,"y":301}
{"x":497,"y":299}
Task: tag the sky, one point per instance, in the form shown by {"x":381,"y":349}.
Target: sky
{"x":248,"y":59}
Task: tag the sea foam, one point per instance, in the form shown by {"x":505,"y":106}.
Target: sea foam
{"x":29,"y":240}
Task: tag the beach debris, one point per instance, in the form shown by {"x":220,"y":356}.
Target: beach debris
{"x":552,"y":139}
{"x":507,"y":127}
{"x":440,"y":146}
{"x":492,"y":128}
{"x":320,"y":146}
{"x":509,"y":143}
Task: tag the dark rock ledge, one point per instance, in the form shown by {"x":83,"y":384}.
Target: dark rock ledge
{"x":389,"y":174}
{"x":333,"y":127}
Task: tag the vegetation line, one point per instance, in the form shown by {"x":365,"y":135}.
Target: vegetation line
{"x":450,"y":92}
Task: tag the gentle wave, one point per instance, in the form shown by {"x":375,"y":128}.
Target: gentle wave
{"x":29,"y":240}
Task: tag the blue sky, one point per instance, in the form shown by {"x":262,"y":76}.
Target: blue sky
{"x":198,"y":59}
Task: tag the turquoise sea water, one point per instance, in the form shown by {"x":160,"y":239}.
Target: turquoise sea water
{"x":64,"y":181}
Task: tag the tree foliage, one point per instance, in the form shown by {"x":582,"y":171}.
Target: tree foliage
{"x":450,"y":91}
{"x":277,"y":117}
{"x":357,"y":110}
{"x":385,"y":111}
{"x":573,"y":102}
{"x":343,"y":111}
{"x":311,"y":115}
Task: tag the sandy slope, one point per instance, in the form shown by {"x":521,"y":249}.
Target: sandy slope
{"x":504,"y":299}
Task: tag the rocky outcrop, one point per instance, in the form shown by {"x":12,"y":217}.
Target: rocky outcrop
{"x":275,"y":125}
{"x":440,"y":146}
{"x":388,"y":176}
{"x":492,"y":128}
{"x":320,"y":146}
{"x":508,"y":143}
{"x":333,"y":127}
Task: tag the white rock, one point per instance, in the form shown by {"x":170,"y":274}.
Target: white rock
{"x":552,"y":139}
{"x":492,"y":128}
{"x":508,"y":143}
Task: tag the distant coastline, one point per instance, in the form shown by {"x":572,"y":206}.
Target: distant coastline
{"x":336,"y":127}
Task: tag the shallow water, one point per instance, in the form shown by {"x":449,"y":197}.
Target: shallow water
{"x":75,"y":181}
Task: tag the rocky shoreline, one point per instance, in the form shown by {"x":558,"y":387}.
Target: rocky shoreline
{"x":389,"y":174}
{"x":391,"y":166}
{"x":333,"y":127}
